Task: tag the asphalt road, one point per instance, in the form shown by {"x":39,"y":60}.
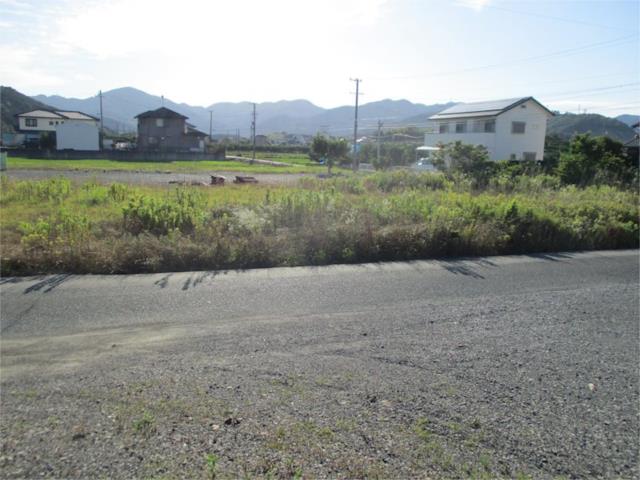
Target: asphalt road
{"x":497,"y":366}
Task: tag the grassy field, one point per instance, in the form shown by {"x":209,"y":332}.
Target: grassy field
{"x":300,"y":165}
{"x":56,"y":225}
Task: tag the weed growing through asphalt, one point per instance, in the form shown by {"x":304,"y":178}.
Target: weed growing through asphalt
{"x":212,"y":465}
{"x":144,"y":424}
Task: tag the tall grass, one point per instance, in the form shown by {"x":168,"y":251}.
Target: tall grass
{"x":56,"y":226}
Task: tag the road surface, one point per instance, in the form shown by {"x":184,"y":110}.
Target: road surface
{"x":497,"y":366}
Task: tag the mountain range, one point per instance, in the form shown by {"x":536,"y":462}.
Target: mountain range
{"x":120,"y":106}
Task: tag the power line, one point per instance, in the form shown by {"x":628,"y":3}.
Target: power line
{"x":556,"y":54}
{"x":551,"y":17}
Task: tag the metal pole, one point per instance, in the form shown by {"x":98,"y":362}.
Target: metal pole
{"x":1,"y":141}
{"x":210,"y":125}
{"x":378,"y":139}
{"x":253,"y":131}
{"x":355,"y":126}
{"x":101,"y":124}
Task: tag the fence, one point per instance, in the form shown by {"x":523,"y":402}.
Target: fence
{"x":118,"y":155}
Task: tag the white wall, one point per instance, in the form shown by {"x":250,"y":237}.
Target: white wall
{"x":77,"y":136}
{"x":43,"y":124}
{"x":502,"y":143}
{"x":474,"y":138}
{"x":532,"y":140}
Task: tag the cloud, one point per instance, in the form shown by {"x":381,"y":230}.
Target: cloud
{"x":124,"y":27}
{"x":476,"y":5}
{"x":19,"y":68}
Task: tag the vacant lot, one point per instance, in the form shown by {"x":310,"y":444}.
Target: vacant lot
{"x":57,"y":226}
{"x":507,"y":367}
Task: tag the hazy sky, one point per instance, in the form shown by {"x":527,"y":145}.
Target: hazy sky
{"x":569,"y":54}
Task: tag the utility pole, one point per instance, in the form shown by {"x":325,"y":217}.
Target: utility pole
{"x":101,"y":124}
{"x":355,"y":126}
{"x":253,"y":131}
{"x":1,"y":141}
{"x":378,"y":138}
{"x":210,"y":125}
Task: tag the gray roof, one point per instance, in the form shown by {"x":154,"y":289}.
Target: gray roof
{"x":57,"y":114}
{"x":482,"y":109}
{"x":162,"y":112}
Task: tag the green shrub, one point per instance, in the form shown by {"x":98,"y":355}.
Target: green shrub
{"x":51,"y":190}
{"x":183,"y":211}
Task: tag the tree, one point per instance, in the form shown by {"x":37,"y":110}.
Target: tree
{"x":592,"y":158}
{"x":328,"y":150}
{"x":472,"y":160}
{"x":554,"y":145}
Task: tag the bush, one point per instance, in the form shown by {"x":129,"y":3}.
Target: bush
{"x":183,"y":211}
{"x":51,"y":190}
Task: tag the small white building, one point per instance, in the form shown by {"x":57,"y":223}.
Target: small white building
{"x":511,"y":129}
{"x":74,"y":130}
{"x":77,"y":136}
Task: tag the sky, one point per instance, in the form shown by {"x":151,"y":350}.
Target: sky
{"x":572,"y":55}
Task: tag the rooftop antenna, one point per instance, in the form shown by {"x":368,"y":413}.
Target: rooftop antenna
{"x":162,"y":100}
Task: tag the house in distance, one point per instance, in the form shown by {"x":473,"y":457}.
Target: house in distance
{"x":511,"y":129}
{"x":67,"y":130}
{"x":163,"y":130}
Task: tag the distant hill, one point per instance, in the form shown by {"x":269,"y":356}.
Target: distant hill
{"x":628,"y":119}
{"x":568,"y":124}
{"x":301,"y":116}
{"x":121,"y":105}
{"x":13,"y":103}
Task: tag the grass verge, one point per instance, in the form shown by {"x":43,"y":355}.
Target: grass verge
{"x":55,"y":226}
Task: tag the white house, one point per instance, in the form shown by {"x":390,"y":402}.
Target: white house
{"x":74,"y":130}
{"x":512,"y":129}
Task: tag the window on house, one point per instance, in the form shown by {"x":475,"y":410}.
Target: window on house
{"x":152,"y":140}
{"x":490,"y":126}
{"x":461,"y":127}
{"x":159,"y":122}
{"x":444,"y":128}
{"x":31,"y":122}
{"x":51,"y":122}
{"x":517,"y":127}
{"x":529,"y":156}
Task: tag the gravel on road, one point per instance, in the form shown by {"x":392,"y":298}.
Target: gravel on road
{"x":150,"y":178}
{"x":516,"y":367}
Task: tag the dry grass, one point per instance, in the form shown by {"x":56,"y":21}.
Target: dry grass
{"x":54,"y":226}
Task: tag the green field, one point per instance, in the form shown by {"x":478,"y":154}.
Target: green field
{"x":300,"y":165}
{"x":56,"y":225}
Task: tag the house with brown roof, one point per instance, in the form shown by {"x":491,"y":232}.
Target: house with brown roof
{"x":165,"y":130}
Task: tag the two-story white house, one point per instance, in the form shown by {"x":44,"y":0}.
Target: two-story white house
{"x":511,"y":129}
{"x":74,"y":130}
